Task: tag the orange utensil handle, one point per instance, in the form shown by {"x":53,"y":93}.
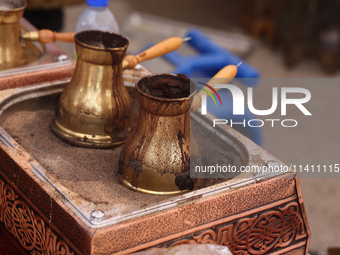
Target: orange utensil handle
{"x":47,"y":36}
{"x":157,"y":50}
{"x":225,"y":75}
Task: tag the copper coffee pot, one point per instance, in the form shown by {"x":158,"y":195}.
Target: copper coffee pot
{"x":95,"y":106}
{"x":11,"y":50}
{"x":156,"y":156}
{"x":12,"y":39}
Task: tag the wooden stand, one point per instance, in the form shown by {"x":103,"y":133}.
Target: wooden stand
{"x":251,"y":216}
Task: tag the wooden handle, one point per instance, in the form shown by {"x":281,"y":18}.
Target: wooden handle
{"x":157,"y":50}
{"x":47,"y":36}
{"x":225,"y":75}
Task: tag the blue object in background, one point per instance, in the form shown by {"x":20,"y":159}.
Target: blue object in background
{"x":210,"y":60}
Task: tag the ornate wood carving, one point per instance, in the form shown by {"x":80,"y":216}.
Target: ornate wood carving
{"x":27,"y":227}
{"x":258,"y":234}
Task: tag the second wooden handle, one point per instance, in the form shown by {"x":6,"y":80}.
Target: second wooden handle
{"x":155,"y":51}
{"x":225,"y":75}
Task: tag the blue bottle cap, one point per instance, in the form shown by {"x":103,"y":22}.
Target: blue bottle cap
{"x":97,"y":3}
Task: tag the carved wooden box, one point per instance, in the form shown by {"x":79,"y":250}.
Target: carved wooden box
{"x":257,"y":214}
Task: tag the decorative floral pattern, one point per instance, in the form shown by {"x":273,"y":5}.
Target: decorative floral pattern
{"x":261,"y":233}
{"x":28,"y":228}
{"x":258,"y":234}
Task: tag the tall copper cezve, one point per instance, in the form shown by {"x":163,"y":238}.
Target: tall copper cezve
{"x":156,"y":156}
{"x":95,"y":106}
{"x":11,"y":50}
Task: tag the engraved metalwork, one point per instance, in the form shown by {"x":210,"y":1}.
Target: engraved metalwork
{"x":27,"y":227}
{"x":258,"y":234}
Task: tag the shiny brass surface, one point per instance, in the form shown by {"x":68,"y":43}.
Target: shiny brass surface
{"x":30,"y":36}
{"x":95,"y":106}
{"x":156,"y":156}
{"x":125,"y":64}
{"x":11,"y":50}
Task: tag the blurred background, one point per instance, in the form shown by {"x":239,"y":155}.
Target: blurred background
{"x":281,"y":39}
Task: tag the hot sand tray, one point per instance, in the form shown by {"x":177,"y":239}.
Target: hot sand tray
{"x":44,"y":62}
{"x":57,"y":197}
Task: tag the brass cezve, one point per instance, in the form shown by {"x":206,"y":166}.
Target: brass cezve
{"x":156,"y":156}
{"x":11,"y":50}
{"x":95,"y":106}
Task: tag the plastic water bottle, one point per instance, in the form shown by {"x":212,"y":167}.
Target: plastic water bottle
{"x":97,"y":16}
